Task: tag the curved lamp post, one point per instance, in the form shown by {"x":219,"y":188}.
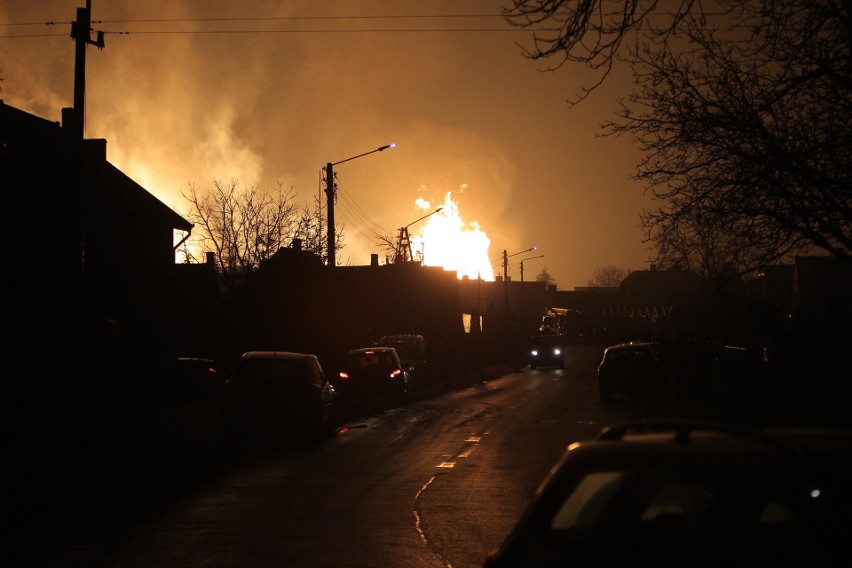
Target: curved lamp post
{"x":522,"y":279}
{"x":329,"y":192}
{"x":506,"y":258}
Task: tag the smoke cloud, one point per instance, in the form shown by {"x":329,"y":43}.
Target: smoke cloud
{"x":190,"y":91}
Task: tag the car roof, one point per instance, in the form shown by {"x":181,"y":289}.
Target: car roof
{"x":288,"y":355}
{"x":798,"y":452}
{"x":630,"y":344}
{"x":377,"y":348}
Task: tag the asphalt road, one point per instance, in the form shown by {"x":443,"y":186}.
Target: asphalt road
{"x":437,"y":482}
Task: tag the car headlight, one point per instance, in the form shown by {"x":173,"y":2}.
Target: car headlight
{"x":534,"y":352}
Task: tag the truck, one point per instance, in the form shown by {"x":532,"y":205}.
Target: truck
{"x":564,"y":322}
{"x":411,"y":348}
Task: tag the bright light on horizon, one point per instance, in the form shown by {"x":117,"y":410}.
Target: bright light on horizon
{"x":446,"y":240}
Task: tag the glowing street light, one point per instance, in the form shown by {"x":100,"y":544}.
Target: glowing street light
{"x":403,"y":244}
{"x":329,"y":192}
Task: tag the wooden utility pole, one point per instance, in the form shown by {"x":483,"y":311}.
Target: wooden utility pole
{"x":81,"y":32}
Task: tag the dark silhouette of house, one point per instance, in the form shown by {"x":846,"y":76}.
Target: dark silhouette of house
{"x":293,"y":302}
{"x":83,"y":241}
{"x":822,"y":295}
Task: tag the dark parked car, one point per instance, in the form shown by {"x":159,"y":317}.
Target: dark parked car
{"x":635,"y":370}
{"x":373,"y":373}
{"x":276,"y":395}
{"x":691,"y":494}
{"x":547,"y":351}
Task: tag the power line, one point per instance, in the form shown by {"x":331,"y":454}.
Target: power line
{"x":313,"y":30}
{"x":303,"y":31}
{"x":358,"y":213}
{"x":301,"y":18}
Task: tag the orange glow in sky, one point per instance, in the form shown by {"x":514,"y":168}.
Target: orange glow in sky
{"x":445,"y":239}
{"x":188,"y":92}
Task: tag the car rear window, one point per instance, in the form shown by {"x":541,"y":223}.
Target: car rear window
{"x":276,"y":374}
{"x":370,"y":359}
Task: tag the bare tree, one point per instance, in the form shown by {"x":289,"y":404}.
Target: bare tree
{"x":746,"y":135}
{"x":741,"y":112}
{"x":608,"y":276}
{"x":242,"y":227}
{"x":593,"y":32}
{"x":388,"y":245}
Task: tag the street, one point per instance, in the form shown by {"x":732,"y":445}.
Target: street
{"x":437,"y":482}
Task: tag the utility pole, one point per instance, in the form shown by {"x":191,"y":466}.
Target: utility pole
{"x":505,"y":281}
{"x":329,"y":199}
{"x":329,"y":193}
{"x":506,"y":276}
{"x":81,"y":32}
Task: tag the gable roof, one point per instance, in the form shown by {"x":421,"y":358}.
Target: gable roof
{"x":22,"y":133}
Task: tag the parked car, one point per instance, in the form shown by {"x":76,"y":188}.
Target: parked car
{"x":635,"y":370}
{"x":275,"y":395}
{"x":373,"y":373}
{"x":411,"y":349}
{"x":547,"y":351}
{"x":691,"y":494}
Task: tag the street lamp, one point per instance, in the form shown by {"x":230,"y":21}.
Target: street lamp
{"x":506,"y":258}
{"x":403,"y":244}
{"x":522,"y":280}
{"x":329,"y":192}
{"x":522,"y":265}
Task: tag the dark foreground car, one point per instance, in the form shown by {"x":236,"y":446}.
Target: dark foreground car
{"x":691,"y":494}
{"x":373,"y":373}
{"x":278,"y":395}
{"x":547,"y":351}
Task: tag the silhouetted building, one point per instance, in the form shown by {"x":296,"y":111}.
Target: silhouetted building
{"x":822,"y":294}
{"x":82,"y":239}
{"x":294,"y":302}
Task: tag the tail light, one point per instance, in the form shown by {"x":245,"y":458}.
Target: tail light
{"x":395,"y":373}
{"x":344,"y":375}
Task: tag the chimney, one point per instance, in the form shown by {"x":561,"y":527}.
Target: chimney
{"x":68,"y":118}
{"x":296,"y":244}
{"x":374,"y":259}
{"x":210,"y":258}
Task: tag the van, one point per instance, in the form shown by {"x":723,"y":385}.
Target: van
{"x":411,"y":349}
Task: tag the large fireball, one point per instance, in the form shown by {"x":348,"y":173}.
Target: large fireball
{"x":446,"y":240}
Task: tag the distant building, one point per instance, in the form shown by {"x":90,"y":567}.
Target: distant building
{"x":294,"y":302}
{"x":822,"y":294}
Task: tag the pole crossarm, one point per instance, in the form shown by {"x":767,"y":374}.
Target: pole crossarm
{"x":403,"y":244}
